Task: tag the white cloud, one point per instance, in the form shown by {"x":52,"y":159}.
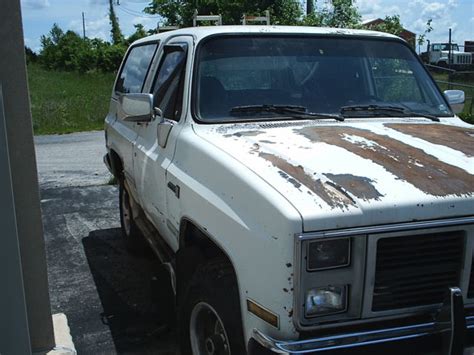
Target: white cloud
{"x":35,"y":4}
{"x":369,"y":8}
{"x":95,"y":28}
{"x":148,"y":23}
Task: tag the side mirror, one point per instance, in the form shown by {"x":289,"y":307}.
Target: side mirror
{"x":456,"y":99}
{"x":136,"y":107}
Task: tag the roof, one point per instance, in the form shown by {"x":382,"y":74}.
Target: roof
{"x":376,"y":21}
{"x":202,"y":32}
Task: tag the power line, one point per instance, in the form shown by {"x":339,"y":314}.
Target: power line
{"x":136,"y":14}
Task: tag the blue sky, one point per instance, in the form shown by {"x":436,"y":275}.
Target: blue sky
{"x":39,"y":16}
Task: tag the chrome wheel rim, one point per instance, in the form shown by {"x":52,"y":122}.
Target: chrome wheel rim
{"x":126,"y":212}
{"x":206,"y":331}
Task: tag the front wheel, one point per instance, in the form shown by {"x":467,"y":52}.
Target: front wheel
{"x":210,"y":319}
{"x":132,"y":236}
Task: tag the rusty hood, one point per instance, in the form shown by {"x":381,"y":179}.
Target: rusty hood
{"x":358,"y":173}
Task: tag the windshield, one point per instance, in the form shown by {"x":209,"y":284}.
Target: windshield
{"x":318,"y":74}
{"x":445,"y":47}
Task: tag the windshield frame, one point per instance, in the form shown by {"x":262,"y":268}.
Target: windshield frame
{"x":201,"y":43}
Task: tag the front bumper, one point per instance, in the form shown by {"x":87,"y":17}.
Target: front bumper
{"x":451,"y":325}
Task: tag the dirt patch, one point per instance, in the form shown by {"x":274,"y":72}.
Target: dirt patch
{"x":297,"y":176}
{"x":408,"y":163}
{"x":359,"y":186}
{"x":457,"y":138}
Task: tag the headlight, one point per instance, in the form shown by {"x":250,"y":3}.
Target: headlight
{"x":328,"y":253}
{"x":326,"y":300}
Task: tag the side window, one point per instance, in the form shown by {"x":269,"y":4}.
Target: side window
{"x":136,"y":67}
{"x":168,"y":86}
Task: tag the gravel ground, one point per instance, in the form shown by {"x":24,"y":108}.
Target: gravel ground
{"x":71,"y":160}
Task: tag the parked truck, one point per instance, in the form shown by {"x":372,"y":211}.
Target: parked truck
{"x":306,"y":189}
{"x":439,"y":53}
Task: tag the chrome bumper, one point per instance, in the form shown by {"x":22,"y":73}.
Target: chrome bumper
{"x":349,"y":340}
{"x":449,"y":324}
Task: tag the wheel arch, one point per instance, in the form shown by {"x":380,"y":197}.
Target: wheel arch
{"x":196,"y":246}
{"x":116,"y":163}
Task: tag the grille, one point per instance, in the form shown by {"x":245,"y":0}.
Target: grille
{"x":470,"y":290}
{"x":416,"y":270}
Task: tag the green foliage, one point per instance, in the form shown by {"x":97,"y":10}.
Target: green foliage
{"x":428,"y":29}
{"x":139,"y":33}
{"x":180,"y":12}
{"x":390,"y":24}
{"x":70,"y":52}
{"x":31,"y":57}
{"x":65,"y":102}
{"x":342,"y":14}
{"x":115,"y":32}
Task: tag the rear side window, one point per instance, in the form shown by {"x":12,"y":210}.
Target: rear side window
{"x":133,"y":74}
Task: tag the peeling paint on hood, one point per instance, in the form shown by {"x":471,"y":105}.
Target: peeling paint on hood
{"x":368,"y":171}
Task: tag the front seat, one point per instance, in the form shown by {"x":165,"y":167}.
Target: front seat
{"x":212,"y":99}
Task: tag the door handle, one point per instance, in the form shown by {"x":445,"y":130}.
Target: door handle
{"x":174,"y":188}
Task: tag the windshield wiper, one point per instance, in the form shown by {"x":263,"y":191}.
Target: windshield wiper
{"x":380,"y":110}
{"x":289,"y":110}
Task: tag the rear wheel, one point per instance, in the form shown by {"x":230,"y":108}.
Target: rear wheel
{"x":210,"y":318}
{"x":132,"y":236}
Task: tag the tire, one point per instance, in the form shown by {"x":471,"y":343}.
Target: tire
{"x":210,"y":318}
{"x":132,"y":235}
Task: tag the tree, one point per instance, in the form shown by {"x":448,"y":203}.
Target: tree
{"x":428,"y":29}
{"x":31,"y":57}
{"x":390,"y":24}
{"x":139,"y":33}
{"x":342,"y":14}
{"x":180,"y":12}
{"x":116,"y":33}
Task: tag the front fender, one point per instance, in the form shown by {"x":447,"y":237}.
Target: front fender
{"x":248,"y":219}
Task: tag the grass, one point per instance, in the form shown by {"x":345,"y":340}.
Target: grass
{"x":66,"y":102}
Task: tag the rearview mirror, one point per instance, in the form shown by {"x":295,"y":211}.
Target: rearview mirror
{"x":456,"y":99}
{"x":136,"y":107}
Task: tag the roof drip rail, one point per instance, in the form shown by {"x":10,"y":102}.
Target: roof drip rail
{"x":246,"y":19}
{"x":217,"y":19}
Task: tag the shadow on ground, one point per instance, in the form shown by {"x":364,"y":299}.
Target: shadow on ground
{"x":123,"y":282}
{"x":104,"y":290}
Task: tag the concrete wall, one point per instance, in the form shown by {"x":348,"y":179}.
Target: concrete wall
{"x":24,"y":183}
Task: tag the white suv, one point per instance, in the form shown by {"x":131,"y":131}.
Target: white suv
{"x":306,"y":189}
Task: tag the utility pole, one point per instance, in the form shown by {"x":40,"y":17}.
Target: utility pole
{"x":449,"y":50}
{"x":309,"y":7}
{"x":83,"y":26}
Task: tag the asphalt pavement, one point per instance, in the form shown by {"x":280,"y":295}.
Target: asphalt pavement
{"x":104,"y":290}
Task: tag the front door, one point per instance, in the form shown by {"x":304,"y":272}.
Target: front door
{"x":154,"y":154}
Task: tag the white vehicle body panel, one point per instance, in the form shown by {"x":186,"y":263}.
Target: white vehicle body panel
{"x":253,"y":186}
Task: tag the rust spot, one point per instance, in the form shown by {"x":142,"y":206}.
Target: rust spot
{"x":359,"y":186}
{"x":408,"y":163}
{"x":457,"y":138}
{"x":297,"y":176}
